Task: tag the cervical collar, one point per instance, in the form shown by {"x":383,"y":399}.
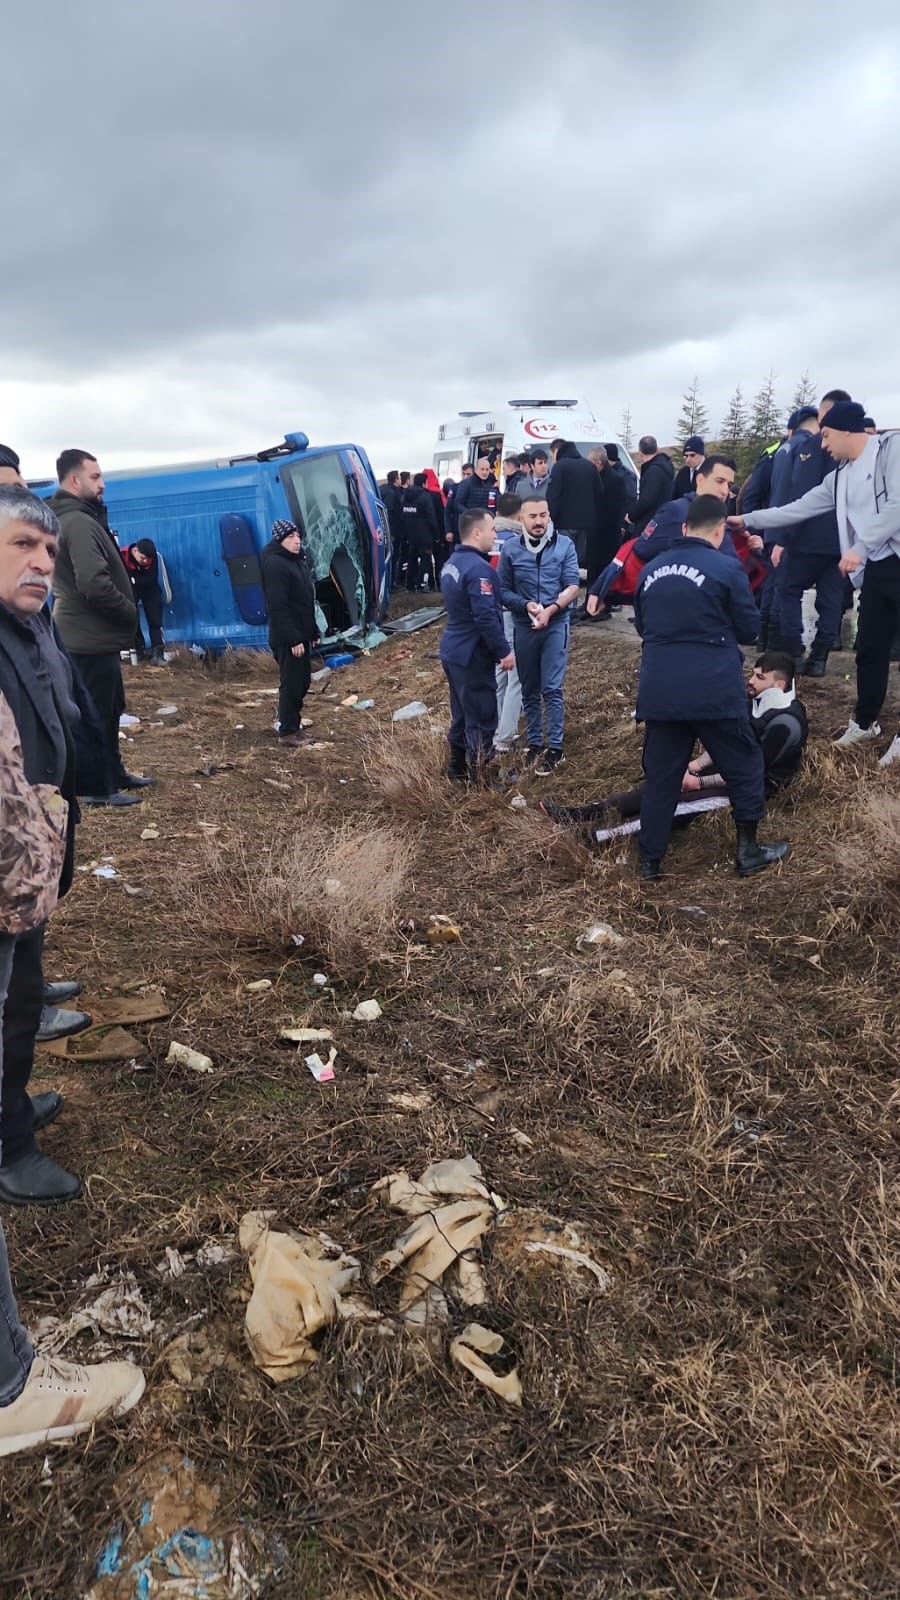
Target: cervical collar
{"x":537,"y":545}
{"x":773,"y":699}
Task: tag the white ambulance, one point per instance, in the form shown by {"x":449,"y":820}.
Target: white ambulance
{"x":517,"y":426}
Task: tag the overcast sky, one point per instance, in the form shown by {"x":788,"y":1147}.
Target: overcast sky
{"x":226,"y":219}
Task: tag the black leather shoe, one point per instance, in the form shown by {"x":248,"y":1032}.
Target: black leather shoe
{"x":752,"y":857}
{"x":649,"y":868}
{"x":35,"y":1180}
{"x":815,"y":665}
{"x":46,"y":1108}
{"x":110,"y":799}
{"x":131,"y":780}
{"x":56,"y":994}
{"x":58,"y":1024}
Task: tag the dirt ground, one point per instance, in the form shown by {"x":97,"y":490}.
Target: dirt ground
{"x":711,"y":1104}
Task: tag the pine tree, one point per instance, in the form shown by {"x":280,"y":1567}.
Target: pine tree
{"x":694,"y":415}
{"x":805,"y":392}
{"x":627,"y":439}
{"x":734,"y":427}
{"x":764,"y":417}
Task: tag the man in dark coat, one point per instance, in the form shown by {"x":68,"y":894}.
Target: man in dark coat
{"x":35,"y":684}
{"x":693,"y":451}
{"x":692,"y":608}
{"x":575,"y":496}
{"x":421,"y":531}
{"x":290,"y":596}
{"x":94,"y":600}
{"x":142,"y":562}
{"x":657,"y":482}
{"x":476,"y":493}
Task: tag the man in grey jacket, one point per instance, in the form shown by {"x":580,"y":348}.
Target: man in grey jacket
{"x":94,"y":606}
{"x":864,"y":493}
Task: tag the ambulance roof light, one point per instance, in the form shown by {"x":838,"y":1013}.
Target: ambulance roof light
{"x":536,"y":405}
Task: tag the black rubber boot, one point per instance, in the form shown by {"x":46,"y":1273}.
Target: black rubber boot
{"x":458,"y":769}
{"x":752,"y":857}
{"x":649,"y":868}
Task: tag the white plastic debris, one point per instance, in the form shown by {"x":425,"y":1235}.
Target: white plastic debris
{"x":167,"y":711}
{"x":333,"y":888}
{"x":298,"y":939}
{"x":519,"y":803}
{"x":598,"y":933}
{"x":577,"y":1257}
{"x":126,"y":720}
{"x":104,"y":872}
{"x":306,"y":1035}
{"x":322,"y":1071}
{"x":367,"y":1011}
{"x":320,"y":980}
{"x":182,"y":1055}
{"x":149,"y":833}
{"x":259,"y":987}
{"x":406,"y":713}
{"x":322,"y":676}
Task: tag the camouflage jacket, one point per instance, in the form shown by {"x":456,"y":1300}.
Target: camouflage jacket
{"x":32,"y":837}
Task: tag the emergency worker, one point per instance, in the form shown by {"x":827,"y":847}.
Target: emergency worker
{"x":473,"y":645}
{"x":693,"y":607}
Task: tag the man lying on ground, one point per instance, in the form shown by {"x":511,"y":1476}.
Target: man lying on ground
{"x":778,"y":720}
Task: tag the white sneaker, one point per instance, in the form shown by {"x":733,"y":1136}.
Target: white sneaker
{"x":60,"y":1399}
{"x":892,"y":753}
{"x":857,"y":735}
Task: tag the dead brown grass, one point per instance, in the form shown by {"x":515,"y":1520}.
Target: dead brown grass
{"x":406,"y":765}
{"x":867,"y":851}
{"x":336,"y":887}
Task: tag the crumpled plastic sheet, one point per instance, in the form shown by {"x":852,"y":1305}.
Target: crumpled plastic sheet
{"x":442,"y":1239}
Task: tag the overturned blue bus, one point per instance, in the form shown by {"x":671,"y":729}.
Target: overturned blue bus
{"x":210,"y":520}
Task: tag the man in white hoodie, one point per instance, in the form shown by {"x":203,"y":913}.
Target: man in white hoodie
{"x":864,"y":492}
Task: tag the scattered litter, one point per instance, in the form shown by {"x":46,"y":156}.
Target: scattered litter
{"x":406,"y":926}
{"x":259,"y":986}
{"x":479,"y":1351}
{"x":298,"y":939}
{"x":239,"y":727}
{"x":322,"y":676}
{"x":693,"y":911}
{"x":322,"y":1071}
{"x":306,"y":1035}
{"x":367,"y":1011}
{"x":275,"y":784}
{"x":104,"y":872}
{"x":182,"y":1055}
{"x":577,"y":1257}
{"x":103,"y":1043}
{"x":167,"y":711}
{"x":407,"y":713}
{"x":545,"y":972}
{"x":441,"y":930}
{"x":210,"y":769}
{"x":350,"y":700}
{"x":192,"y":1357}
{"x":132,"y":889}
{"x":320,"y":980}
{"x":518,"y":803}
{"x":333,"y":888}
{"x":364,"y":705}
{"x":172,"y":1546}
{"x":214,"y":1254}
{"x":300,"y":1286}
{"x":149,"y":833}
{"x":174,"y":1265}
{"x":598,"y":933}
{"x":343,"y":659}
{"x":119,"y":1310}
{"x":441,"y":1237}
{"x":523,"y":1140}
{"x":126,"y":720}
{"x":411,"y":1102}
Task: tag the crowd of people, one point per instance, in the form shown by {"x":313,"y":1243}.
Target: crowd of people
{"x":564,"y":538}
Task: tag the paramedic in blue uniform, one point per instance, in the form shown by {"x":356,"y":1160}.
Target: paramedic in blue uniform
{"x":473,"y":645}
{"x":693,"y":607}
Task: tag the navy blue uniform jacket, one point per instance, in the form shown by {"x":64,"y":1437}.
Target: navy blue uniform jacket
{"x":665,"y":530}
{"x":471,"y":495}
{"x":471,"y":593}
{"x":808,"y":464}
{"x":693,"y":607}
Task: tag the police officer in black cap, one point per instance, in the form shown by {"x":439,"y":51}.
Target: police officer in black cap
{"x":473,"y":645}
{"x":693,"y":607}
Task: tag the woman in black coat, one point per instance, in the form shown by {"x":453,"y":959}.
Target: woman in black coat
{"x":293,"y":631}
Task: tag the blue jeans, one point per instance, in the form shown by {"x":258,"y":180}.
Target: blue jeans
{"x":542,"y":656}
{"x":16,"y":1352}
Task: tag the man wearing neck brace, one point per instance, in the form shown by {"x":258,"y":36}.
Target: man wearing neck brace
{"x":778,"y":720}
{"x":538,"y":582}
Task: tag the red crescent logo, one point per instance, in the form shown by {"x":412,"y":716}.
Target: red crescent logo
{"x":537,"y":429}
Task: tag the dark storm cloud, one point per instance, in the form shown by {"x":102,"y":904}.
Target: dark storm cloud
{"x":395,"y":194}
